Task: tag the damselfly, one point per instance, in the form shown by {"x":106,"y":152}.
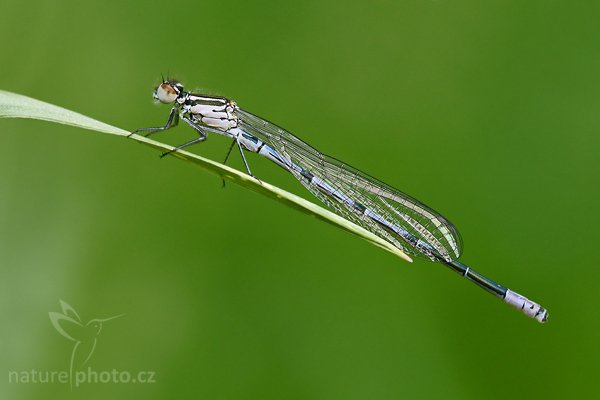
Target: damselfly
{"x":390,"y":214}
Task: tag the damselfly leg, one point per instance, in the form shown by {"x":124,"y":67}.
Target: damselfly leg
{"x":171,"y":122}
{"x":236,"y":140}
{"x":227,"y":157}
{"x":229,"y":151}
{"x":198,"y":128}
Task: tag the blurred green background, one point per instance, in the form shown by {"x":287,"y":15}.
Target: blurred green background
{"x":487,"y":111}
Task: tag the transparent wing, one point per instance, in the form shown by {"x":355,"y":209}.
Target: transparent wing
{"x":361,"y":198}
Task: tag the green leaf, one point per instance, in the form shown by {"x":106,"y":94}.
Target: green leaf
{"x":13,"y":105}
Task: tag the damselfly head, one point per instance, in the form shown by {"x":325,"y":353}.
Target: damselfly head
{"x":168,"y":91}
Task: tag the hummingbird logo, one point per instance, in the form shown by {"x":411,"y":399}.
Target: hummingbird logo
{"x":83,"y":335}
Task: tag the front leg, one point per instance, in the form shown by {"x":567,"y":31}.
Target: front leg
{"x":171,"y":122}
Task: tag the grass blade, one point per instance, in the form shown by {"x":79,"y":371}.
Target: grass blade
{"x":14,"y":105}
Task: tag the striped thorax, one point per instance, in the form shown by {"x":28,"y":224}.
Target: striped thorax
{"x":216,"y":112}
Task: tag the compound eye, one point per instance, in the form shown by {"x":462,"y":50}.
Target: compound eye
{"x":166,"y":93}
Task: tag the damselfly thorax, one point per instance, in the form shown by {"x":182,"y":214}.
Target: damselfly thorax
{"x":214,"y":112}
